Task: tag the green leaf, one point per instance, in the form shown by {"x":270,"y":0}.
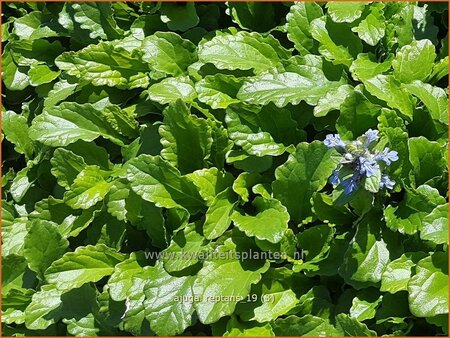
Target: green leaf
{"x":105,"y":64}
{"x":426,"y":158}
{"x":186,"y":138}
{"x":372,"y":28}
{"x":256,"y":16}
{"x":34,"y":25}
{"x":298,"y":25}
{"x":70,"y":122}
{"x":66,"y":166}
{"x":357,"y":115}
{"x":218,"y":91}
{"x":88,"y":188}
{"x":326,"y":211}
{"x":167,"y":305}
{"x":348,"y":326}
{"x":14,"y":268}
{"x":347,"y":11}
{"x":270,"y":222}
{"x":440,"y":70}
{"x":172,"y":89}
{"x":398,"y":272}
{"x":434,"y":98}
{"x":210,"y":182}
{"x":40,"y":74}
{"x":84,"y":265}
{"x":287,"y":87}
{"x":428,"y":288}
{"x":246,"y":132}
{"x":435,"y":225}
{"x":219,"y":214}
{"x":275,"y":305}
{"x":337,"y":43}
{"x":407,"y":217}
{"x":303,"y":326}
{"x":97,"y":17}
{"x":364,"y":305}
{"x":305,"y":172}
{"x":43,"y":245}
{"x":60,"y":91}
{"x":222,"y":282}
{"x":156,"y":181}
{"x":414,"y":61}
{"x":122,"y":279}
{"x":386,"y":88}
{"x":85,"y":326}
{"x":367,"y":255}
{"x":315,"y":243}
{"x":332,"y":100}
{"x":366,"y":67}
{"x":247,"y":329}
{"x":44,"y":302}
{"x":14,"y":76}
{"x":15,"y":128}
{"x":242,"y":50}
{"x":179,"y":18}
{"x":168,"y":53}
{"x":244,"y":182}
{"x":185,"y":249}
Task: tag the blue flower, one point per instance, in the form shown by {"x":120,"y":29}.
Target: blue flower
{"x":333,"y":141}
{"x":368,"y":167}
{"x":386,"y":182}
{"x":334,"y":178}
{"x":350,"y":184}
{"x":371,"y":135}
{"x":387,"y":155}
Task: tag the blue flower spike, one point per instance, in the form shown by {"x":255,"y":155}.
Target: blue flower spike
{"x":368,"y":167}
{"x":370,"y":136}
{"x":334,"y":141}
{"x":359,"y":157}
{"x":387,"y":155}
{"x":386,"y":182}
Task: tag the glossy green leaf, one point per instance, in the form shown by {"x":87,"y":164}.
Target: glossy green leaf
{"x":408,"y":216}
{"x":347,"y":11}
{"x":168,"y":301}
{"x":218,"y":91}
{"x":398,"y":272}
{"x":219,"y":214}
{"x":270,"y":222}
{"x":305,"y":172}
{"x":106,"y":64}
{"x":168,"y":53}
{"x":186,"y":138}
{"x":155,"y":180}
{"x":222,"y":282}
{"x":88,"y":188}
{"x":298,"y":25}
{"x":367,"y":255}
{"x":428,"y":288}
{"x":386,"y":88}
{"x":414,"y":61}
{"x":70,"y":122}
{"x":84,"y":265}
{"x":172,"y":89}
{"x":43,"y":244}
{"x":15,"y":128}
{"x":287,"y":87}
{"x":435,"y":225}
{"x":242,"y":50}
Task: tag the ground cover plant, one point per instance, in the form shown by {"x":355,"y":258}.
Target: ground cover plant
{"x":224,"y":169}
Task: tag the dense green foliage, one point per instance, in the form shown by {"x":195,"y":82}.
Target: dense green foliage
{"x":136,"y":132}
